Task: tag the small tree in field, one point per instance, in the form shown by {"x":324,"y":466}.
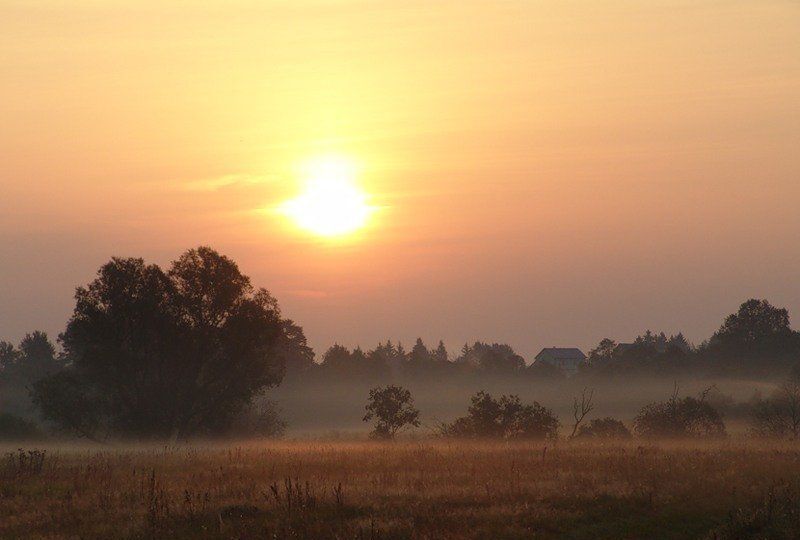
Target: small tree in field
{"x":393,"y":409}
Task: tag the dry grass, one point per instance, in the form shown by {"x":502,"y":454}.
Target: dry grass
{"x":411,"y":489}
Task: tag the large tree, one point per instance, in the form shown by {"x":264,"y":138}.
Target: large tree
{"x":756,"y":339}
{"x":167,"y":354}
{"x":756,"y":321}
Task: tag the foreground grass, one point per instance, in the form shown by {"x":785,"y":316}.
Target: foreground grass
{"x":430,"y":489}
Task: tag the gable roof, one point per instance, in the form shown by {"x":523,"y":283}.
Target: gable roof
{"x":562,"y":353}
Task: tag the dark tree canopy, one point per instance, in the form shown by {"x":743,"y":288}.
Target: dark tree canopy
{"x":506,"y":418}
{"x":648,"y":354}
{"x":495,"y":357}
{"x":603,"y":354}
{"x":8,"y":355}
{"x":440,"y":354}
{"x":422,"y":362}
{"x":756,"y":320}
{"x":757,"y":339}
{"x":34,"y":358}
{"x":23,"y":366}
{"x":339,"y":361}
{"x":420,"y":359}
{"x":169,"y":354}
{"x":293,"y":349}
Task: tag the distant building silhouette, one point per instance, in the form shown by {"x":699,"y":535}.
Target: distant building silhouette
{"x":566,"y":358}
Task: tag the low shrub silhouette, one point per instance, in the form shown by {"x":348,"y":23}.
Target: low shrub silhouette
{"x":679,"y":418}
{"x":604,"y":428}
{"x":506,"y":418}
{"x":778,"y":415}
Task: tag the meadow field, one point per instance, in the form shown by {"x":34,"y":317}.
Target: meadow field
{"x":408,"y":489}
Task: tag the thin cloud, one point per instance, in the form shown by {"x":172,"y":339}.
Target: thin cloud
{"x":227,"y":181}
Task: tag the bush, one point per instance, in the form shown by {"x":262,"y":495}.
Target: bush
{"x":605,"y":428}
{"x":506,"y":418}
{"x":779,"y":415}
{"x":14,"y":428}
{"x":679,"y":418}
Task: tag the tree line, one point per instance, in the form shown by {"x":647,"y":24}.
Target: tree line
{"x":188,"y":350}
{"x":756,"y":341}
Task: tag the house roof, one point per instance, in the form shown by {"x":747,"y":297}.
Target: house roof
{"x":562,"y":353}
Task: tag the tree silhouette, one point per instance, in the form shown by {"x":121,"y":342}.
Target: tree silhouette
{"x":756,"y":339}
{"x":37,"y":357}
{"x":419,"y":355}
{"x":603,"y":354}
{"x":168,"y":354}
{"x":440,"y":354}
{"x":495,"y":357}
{"x":8,"y":355}
{"x":293,"y":349}
{"x":756,"y":320}
{"x":506,"y":418}
{"x":393,"y":409}
{"x":34,"y":359}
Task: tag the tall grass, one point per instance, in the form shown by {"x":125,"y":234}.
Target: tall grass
{"x":407,"y":489}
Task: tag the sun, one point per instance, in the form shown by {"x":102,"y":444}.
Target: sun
{"x":331,"y":205}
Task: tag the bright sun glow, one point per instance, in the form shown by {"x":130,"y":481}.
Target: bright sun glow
{"x":331,"y":204}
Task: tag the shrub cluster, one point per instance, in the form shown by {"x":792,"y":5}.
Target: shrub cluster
{"x":506,"y":418}
{"x":604,"y":428}
{"x":679,"y":418}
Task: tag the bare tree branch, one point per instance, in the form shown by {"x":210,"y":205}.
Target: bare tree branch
{"x":581,"y":409}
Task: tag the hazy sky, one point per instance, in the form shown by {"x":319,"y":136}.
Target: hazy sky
{"x":547,"y":172}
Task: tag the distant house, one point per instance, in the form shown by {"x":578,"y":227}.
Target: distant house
{"x":566,"y":358}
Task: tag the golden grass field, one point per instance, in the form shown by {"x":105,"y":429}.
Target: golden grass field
{"x":408,"y":489}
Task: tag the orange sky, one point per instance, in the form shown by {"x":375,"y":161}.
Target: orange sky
{"x":548,"y":172}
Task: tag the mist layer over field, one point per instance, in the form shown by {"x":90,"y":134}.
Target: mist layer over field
{"x":330,"y":407}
